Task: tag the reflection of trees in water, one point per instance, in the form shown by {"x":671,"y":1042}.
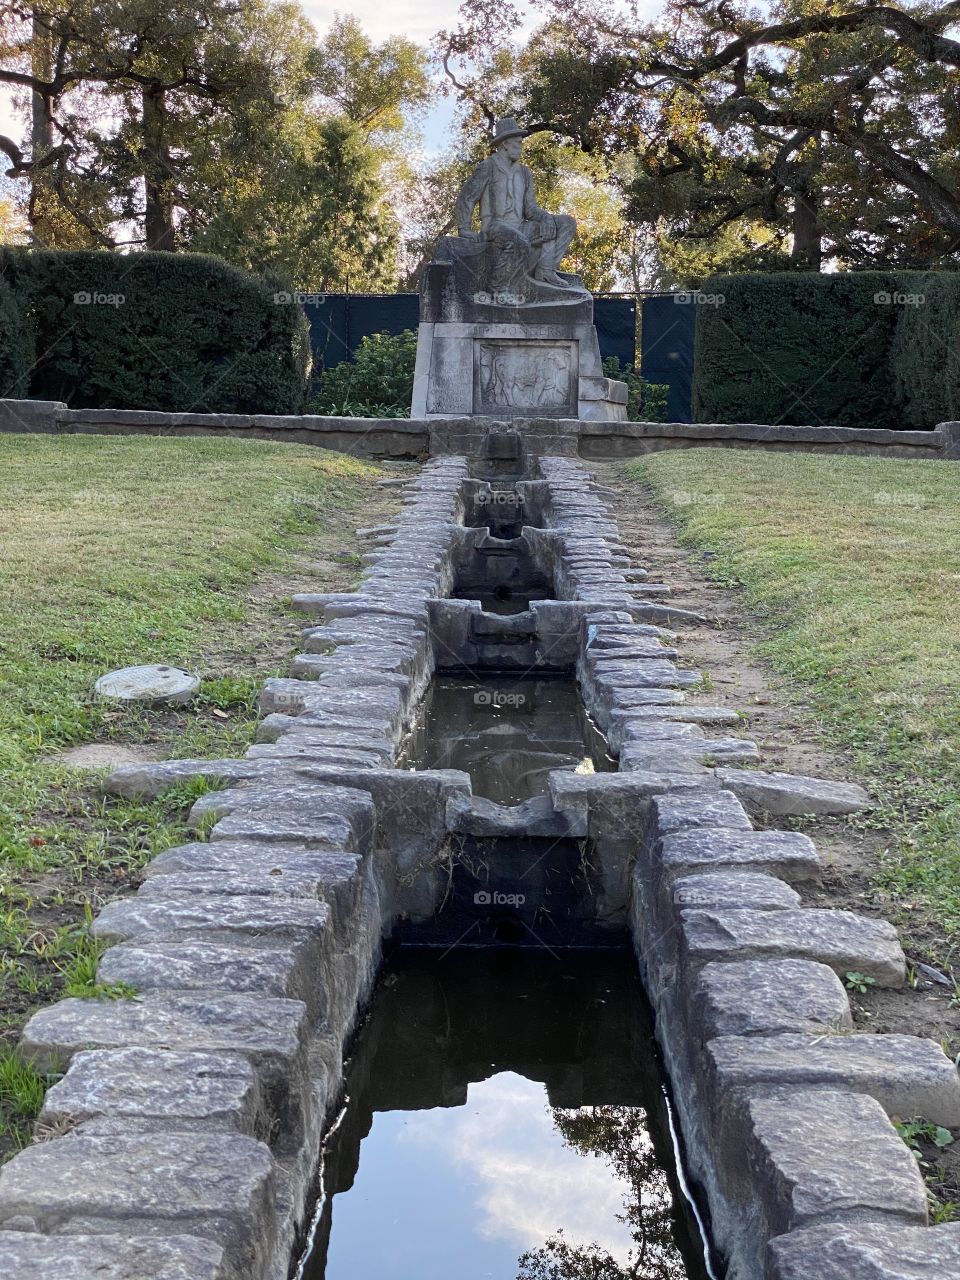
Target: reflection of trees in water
{"x":618,"y":1135}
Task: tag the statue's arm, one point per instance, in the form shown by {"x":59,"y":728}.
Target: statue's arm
{"x":469,"y":196}
{"x":531,"y":210}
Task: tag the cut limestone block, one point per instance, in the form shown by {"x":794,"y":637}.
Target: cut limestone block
{"x":268,"y":1032}
{"x":321,"y":802}
{"x":670,"y":751}
{"x":25,"y":1255}
{"x":252,"y":921}
{"x":216,"y":1186}
{"x":906,"y":1075}
{"x":866,"y":1251}
{"x":681,"y":812}
{"x":158,"y":683}
{"x":789,"y":793}
{"x":145,"y":1088}
{"x":185,"y":965}
{"x":153,"y":778}
{"x":841,"y":939}
{"x":715,"y":890}
{"x":762,"y":997}
{"x":787,"y":855}
{"x":819,"y":1154}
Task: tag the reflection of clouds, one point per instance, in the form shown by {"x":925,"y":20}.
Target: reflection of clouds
{"x":528,"y":1184}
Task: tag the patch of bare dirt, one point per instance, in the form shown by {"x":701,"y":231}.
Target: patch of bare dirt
{"x":785,"y":730}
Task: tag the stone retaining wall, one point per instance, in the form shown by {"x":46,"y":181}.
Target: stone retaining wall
{"x":188,"y":1120}
{"x":411,"y":438}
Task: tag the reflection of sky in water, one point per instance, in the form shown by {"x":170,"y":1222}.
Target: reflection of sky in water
{"x":463,"y":1191}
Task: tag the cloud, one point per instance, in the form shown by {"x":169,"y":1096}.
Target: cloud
{"x":527,"y":1183}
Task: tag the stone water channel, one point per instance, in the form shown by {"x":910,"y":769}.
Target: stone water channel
{"x":546,"y":887}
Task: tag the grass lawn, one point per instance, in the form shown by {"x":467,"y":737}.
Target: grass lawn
{"x":119,"y":551}
{"x":854,"y":565}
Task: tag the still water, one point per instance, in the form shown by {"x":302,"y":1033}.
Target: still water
{"x":504,"y":1119}
{"x":506,"y":733}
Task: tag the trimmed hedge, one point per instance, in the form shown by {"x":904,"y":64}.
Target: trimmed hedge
{"x":797,"y":349}
{"x":16,"y":348}
{"x":925,"y":356}
{"x":174,"y":332}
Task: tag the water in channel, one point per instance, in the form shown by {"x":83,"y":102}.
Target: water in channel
{"x":505,"y":1119}
{"x":507,"y":733}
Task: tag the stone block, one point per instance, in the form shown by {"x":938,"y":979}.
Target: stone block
{"x":866,"y":1251}
{"x":216,"y":1186}
{"x":787,"y":855}
{"x":269,"y":1032}
{"x":284,"y":972}
{"x":907,"y":1076}
{"x":717,"y":890}
{"x":25,"y":1255}
{"x":789,"y":793}
{"x":253,"y":921}
{"x":844,"y":941}
{"x":146,"y":1088}
{"x":764,"y":997}
{"x":709,"y":808}
{"x":817,"y":1155}
{"x":673,"y":749}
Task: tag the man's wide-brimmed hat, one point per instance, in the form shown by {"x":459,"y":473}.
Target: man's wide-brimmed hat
{"x":504,"y":129}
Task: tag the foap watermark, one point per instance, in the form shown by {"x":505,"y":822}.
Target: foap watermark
{"x":884,"y":299}
{"x":497,"y":898}
{"x":500,"y":498}
{"x":690,"y":498}
{"x":283,"y":298}
{"x":498,"y":698}
{"x":883,"y":499}
{"x":695,"y":298}
{"x":85,"y":299}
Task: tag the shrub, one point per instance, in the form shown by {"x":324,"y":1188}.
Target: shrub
{"x":174,"y":332}
{"x":925,"y":356}
{"x":16,"y":348}
{"x":377,"y":383}
{"x":646,"y":401}
{"x":797,"y":348}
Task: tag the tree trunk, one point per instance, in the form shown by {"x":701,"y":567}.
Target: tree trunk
{"x":41,"y":134}
{"x":807,"y":235}
{"x":157,"y":172}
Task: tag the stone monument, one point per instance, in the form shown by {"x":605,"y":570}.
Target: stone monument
{"x":503,"y":332}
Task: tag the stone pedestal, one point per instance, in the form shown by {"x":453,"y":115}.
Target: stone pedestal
{"x":531,"y":351}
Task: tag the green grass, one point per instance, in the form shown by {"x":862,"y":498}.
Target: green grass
{"x":853,"y":565}
{"x":119,"y":551}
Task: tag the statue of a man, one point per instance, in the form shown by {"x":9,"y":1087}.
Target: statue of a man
{"x":510,"y":217}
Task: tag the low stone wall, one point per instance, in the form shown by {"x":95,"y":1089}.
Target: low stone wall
{"x":412,"y":438}
{"x":189,"y":1120}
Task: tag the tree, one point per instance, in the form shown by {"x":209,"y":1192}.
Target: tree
{"x":223,"y":126}
{"x":620,"y":1136}
{"x":836,"y":127}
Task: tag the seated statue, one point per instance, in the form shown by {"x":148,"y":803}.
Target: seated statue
{"x":518,"y":238}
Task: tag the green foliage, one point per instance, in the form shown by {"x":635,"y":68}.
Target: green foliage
{"x":860,"y":982}
{"x":798,"y":348}
{"x":16,"y":348}
{"x":925,"y":355}
{"x":915,"y":1131}
{"x":179,"y":333}
{"x":646,"y":401}
{"x":378,"y":383}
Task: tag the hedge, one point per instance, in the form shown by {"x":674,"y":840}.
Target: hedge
{"x":16,"y":348}
{"x":174,"y":332}
{"x":797,"y":349}
{"x":925,"y":356}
